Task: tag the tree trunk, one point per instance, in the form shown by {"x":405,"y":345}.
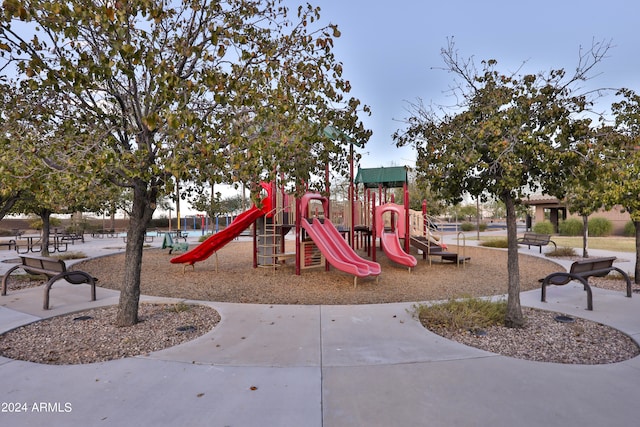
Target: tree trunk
{"x":514,"y":317}
{"x":637,"y":270}
{"x":585,"y":236}
{"x":45,"y":216}
{"x":7,"y":203}
{"x":143,"y":207}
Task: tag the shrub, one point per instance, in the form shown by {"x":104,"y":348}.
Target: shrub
{"x":204,"y":237}
{"x":599,"y":227}
{"x":544,"y":227}
{"x":496,"y":243}
{"x":467,"y":226}
{"x":467,"y":314}
{"x":483,"y":226}
{"x":562,"y":252}
{"x":629,"y":229}
{"x":570,"y":227}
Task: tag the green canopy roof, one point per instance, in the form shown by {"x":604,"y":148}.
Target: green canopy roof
{"x":391,"y":177}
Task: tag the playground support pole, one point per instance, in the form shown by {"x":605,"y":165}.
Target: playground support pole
{"x":424,"y":224}
{"x":298,"y":219}
{"x":374,"y":244}
{"x":351,"y":195}
{"x":254,"y":234}
{"x":407,"y":228}
{"x":424,"y":217}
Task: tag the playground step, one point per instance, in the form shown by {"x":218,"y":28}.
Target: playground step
{"x":432,"y":249}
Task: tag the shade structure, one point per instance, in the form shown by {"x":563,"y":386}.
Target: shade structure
{"x":390,"y":177}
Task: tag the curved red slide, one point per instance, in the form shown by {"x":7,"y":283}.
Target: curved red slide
{"x":393,"y":250}
{"x":218,"y":240}
{"x":391,"y":240}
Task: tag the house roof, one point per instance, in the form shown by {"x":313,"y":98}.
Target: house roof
{"x":543,"y":199}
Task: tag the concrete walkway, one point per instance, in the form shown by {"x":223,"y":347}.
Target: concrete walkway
{"x":333,"y":366}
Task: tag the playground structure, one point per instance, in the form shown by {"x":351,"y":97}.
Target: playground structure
{"x":319,"y":241}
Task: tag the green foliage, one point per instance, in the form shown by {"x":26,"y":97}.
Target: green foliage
{"x":629,"y":229}
{"x":470,"y":226}
{"x":599,"y":227}
{"x":36,"y":223}
{"x":543,"y":227}
{"x":467,"y":314}
{"x":564,"y":251}
{"x":570,"y":227}
{"x":467,"y":226}
{"x":419,"y":191}
{"x":496,"y":243}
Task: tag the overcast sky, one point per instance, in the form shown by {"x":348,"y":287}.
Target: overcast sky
{"x":391,"y":49}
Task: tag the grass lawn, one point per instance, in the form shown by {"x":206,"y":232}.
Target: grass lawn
{"x":611,"y":243}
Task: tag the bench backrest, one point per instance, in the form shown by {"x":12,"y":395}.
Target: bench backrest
{"x":43,"y":263}
{"x":537,"y":237}
{"x":587,"y":265}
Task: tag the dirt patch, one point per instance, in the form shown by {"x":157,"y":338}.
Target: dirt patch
{"x":237,"y":281}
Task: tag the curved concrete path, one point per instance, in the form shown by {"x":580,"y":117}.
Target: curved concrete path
{"x":364,"y":365}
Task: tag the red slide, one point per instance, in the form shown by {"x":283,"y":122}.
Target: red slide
{"x":332,"y":244}
{"x":205,"y":249}
{"x":391,"y":240}
{"x":337,"y":251}
{"x":218,"y":240}
{"x":393,"y":250}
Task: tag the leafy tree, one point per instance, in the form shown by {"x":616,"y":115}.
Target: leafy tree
{"x":468,"y":211}
{"x":586,"y":184}
{"x":623,"y":158}
{"x":14,"y":171}
{"x":510,"y":135}
{"x":157,"y":90}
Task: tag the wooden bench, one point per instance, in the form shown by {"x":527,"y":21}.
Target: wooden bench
{"x":581,"y":271}
{"x":536,"y":239}
{"x":54,"y":269}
